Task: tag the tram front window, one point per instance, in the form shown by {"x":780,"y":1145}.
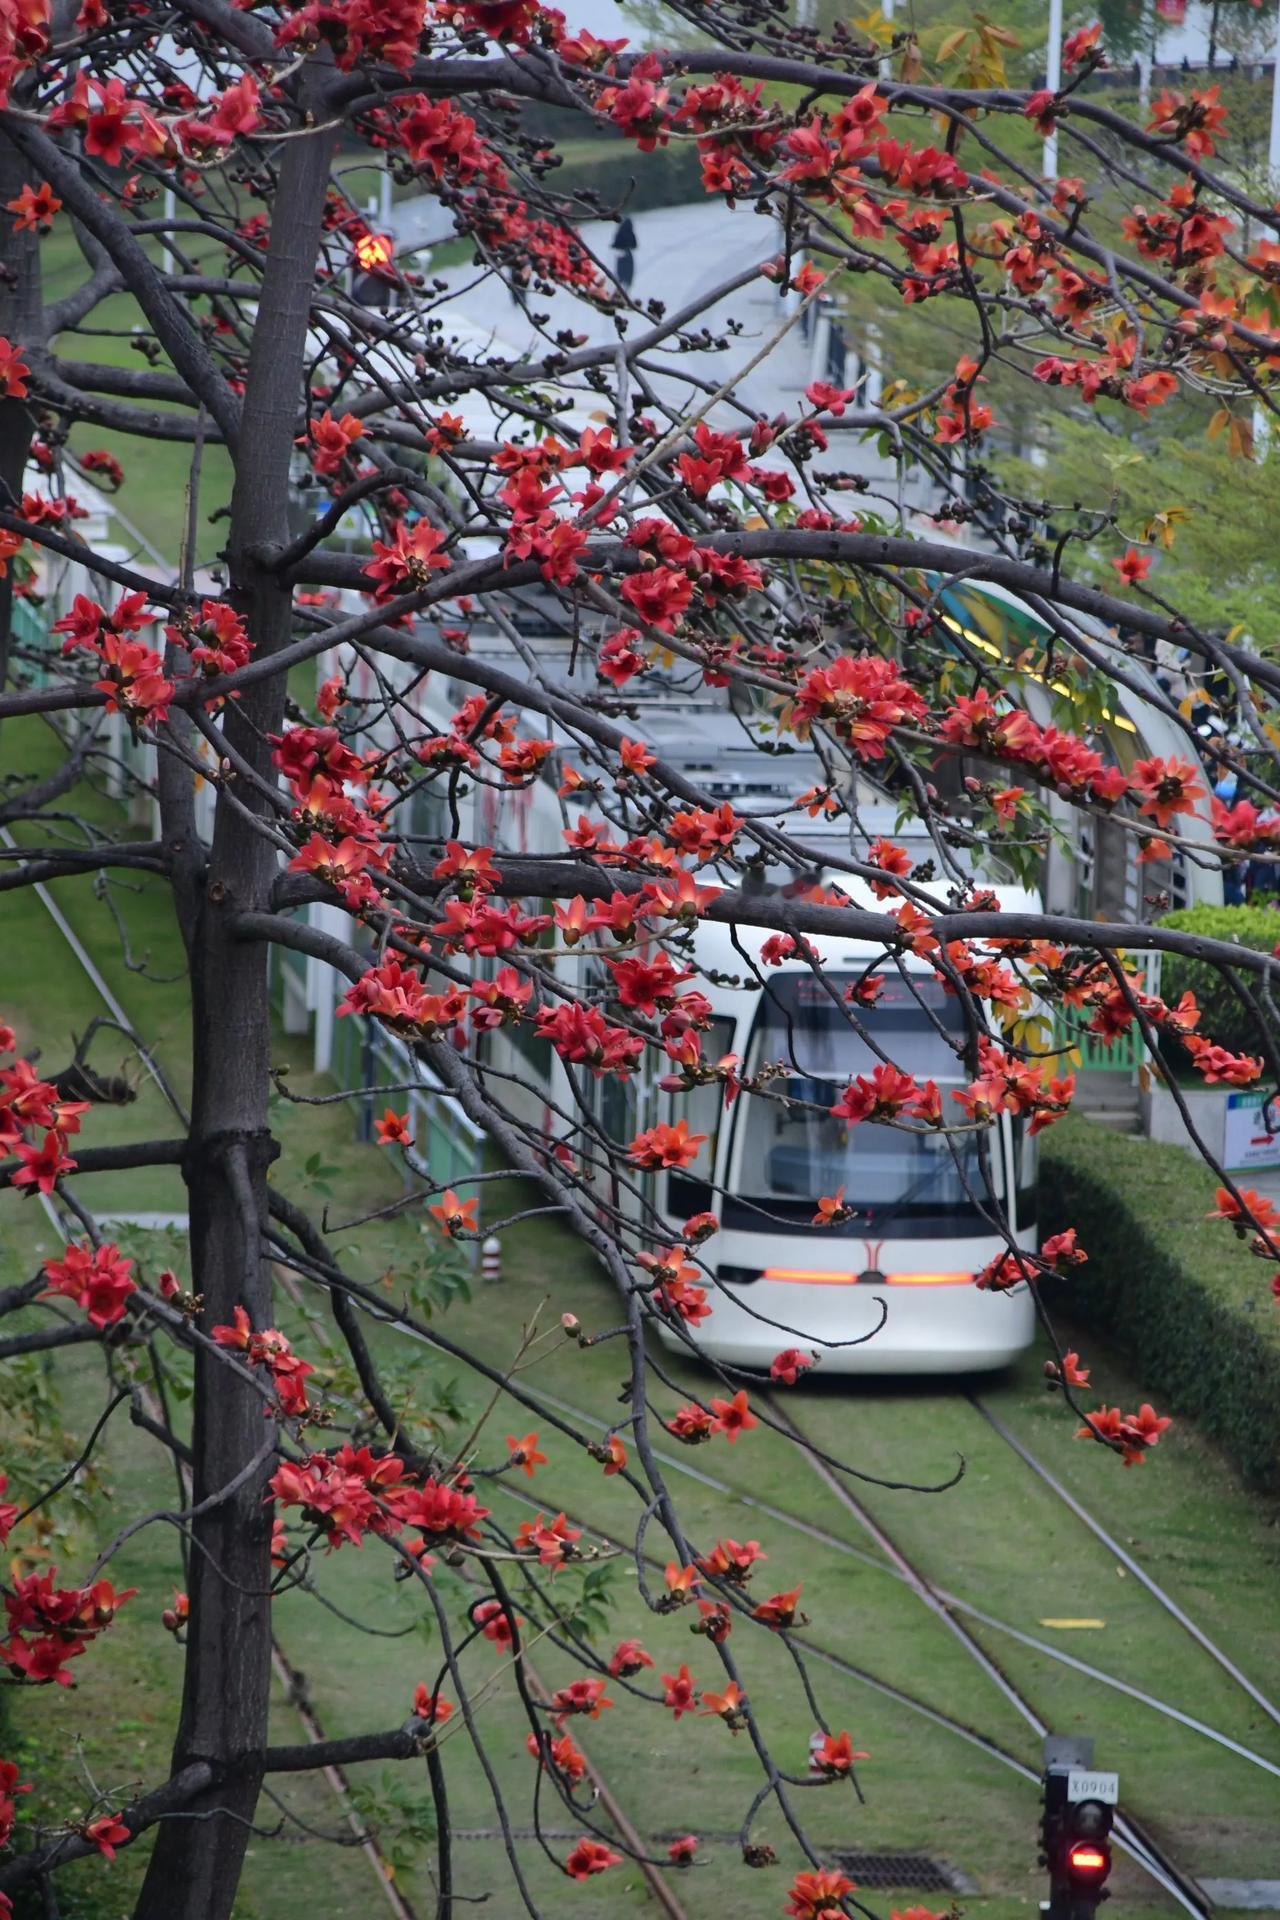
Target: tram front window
{"x":918,"y":1185}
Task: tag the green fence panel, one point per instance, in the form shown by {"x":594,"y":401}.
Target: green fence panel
{"x":1123,"y":1054}
{"x":29,"y":626}
{"x":365,"y":1055}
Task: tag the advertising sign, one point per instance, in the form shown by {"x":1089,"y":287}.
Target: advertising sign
{"x":1246,"y":1142}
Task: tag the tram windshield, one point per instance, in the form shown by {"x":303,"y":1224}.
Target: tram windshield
{"x":912,"y":1185}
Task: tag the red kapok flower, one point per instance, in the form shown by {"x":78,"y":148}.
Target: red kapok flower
{"x":1261,"y":1211}
{"x":552,"y":1539}
{"x":817,"y":1895}
{"x":34,"y":208}
{"x":732,"y":1417}
{"x":780,"y":1610}
{"x":524,"y":1453}
{"x":430,"y":1706}
{"x":833,"y":1755}
{"x":788,"y":1365}
{"x":1082,"y":45}
{"x":679,"y":1692}
{"x":454,"y":1215}
{"x":1060,"y":1251}
{"x":1132,"y":566}
{"x":588,"y":1857}
{"x":581,"y":1696}
{"x":493,"y":1621}
{"x":1070,"y":1373}
{"x":628,"y":1657}
{"x":107,"y":1833}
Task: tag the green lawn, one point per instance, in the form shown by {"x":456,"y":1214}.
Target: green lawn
{"x":153,"y":496}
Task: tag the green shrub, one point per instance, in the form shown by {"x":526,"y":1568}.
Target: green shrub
{"x":670,"y":177}
{"x":1185,"y":1298}
{"x":1224,"y":1018}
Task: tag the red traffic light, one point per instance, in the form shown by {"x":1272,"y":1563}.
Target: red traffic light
{"x":1084,"y":1857}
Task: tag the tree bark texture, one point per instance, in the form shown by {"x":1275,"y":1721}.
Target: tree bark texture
{"x":196,"y":1865}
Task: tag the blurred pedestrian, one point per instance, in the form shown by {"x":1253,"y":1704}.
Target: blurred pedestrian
{"x":624,"y":245}
{"x":1235,"y":874}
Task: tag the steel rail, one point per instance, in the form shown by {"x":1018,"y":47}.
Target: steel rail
{"x":1130,"y":1836}
{"x":1135,"y":1845}
{"x":812,"y":1647}
{"x":1127,"y":1560}
{"x":950,"y":1601}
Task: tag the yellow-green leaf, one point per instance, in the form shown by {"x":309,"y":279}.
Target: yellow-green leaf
{"x":952,"y":45}
{"x":1240,"y":438}
{"x":875,"y":26}
{"x":1163,"y":526}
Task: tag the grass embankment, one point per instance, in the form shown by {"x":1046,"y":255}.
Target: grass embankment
{"x":153,"y":496}
{"x":1177,"y":1289}
{"x":996,"y":1539}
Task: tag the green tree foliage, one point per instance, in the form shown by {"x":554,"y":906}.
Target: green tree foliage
{"x":1223,"y":566}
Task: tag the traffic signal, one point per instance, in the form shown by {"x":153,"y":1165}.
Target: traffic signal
{"x":1075,"y":1830}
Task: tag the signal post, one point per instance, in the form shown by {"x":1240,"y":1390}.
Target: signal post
{"x":1075,"y":1829}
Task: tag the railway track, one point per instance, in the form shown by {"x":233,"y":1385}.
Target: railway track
{"x":1126,"y":1560}
{"x":1130,"y":1835}
{"x":1133,"y":1838}
{"x":951,"y":1603}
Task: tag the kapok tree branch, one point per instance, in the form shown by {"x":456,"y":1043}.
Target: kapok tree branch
{"x":172,"y":327}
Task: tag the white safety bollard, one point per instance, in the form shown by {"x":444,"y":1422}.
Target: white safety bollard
{"x":491,"y":1258}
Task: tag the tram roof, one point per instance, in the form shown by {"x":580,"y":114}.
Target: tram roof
{"x":714,"y":942}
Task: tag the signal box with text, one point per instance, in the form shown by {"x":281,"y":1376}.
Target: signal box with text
{"x":1079,"y":1807}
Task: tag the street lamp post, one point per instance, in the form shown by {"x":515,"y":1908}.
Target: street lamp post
{"x":1053,"y":80}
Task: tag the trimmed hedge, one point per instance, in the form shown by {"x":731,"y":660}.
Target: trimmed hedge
{"x":668,"y":177}
{"x":1185,"y":1297}
{"x":1223,"y":1017}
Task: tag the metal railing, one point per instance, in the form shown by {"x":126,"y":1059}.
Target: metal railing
{"x":365,"y":1055}
{"x":446,"y":1142}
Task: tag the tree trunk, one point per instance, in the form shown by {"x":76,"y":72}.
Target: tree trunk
{"x":20,"y":321}
{"x":196,"y":1866}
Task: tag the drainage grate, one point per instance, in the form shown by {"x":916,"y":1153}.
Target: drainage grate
{"x":918,"y":1870}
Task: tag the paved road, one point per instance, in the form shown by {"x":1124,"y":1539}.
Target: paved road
{"x":683,"y":255}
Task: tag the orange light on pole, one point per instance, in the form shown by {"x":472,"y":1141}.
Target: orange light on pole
{"x":374,"y":250}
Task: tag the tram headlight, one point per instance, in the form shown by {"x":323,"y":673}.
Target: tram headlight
{"x":737,"y":1276}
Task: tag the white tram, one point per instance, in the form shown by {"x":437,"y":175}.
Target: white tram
{"x":924,"y":1202}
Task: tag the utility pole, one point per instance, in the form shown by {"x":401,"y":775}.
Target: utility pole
{"x":1261,"y":414}
{"x":1053,"y":80}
